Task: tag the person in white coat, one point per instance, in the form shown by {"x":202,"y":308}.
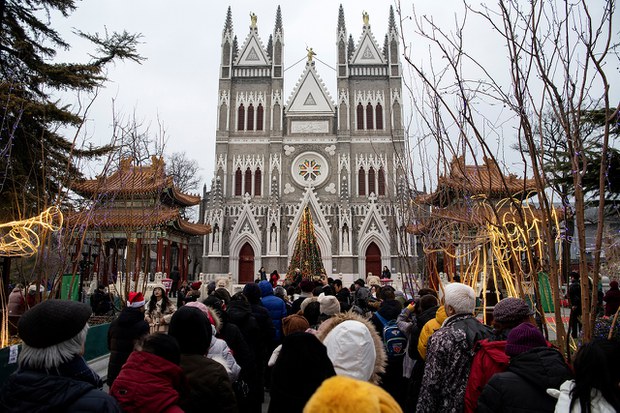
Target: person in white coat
{"x":595,"y":388}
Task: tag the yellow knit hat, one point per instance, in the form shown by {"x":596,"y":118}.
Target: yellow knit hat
{"x":341,"y":394}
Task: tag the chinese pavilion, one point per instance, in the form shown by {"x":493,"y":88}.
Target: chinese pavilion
{"x":134,"y":223}
{"x":479,"y":222}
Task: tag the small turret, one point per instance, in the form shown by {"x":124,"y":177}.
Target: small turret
{"x":341,"y":40}
{"x":277,"y":52}
{"x":227,"y":46}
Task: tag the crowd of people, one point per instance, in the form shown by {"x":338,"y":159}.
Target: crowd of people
{"x":314,"y":345}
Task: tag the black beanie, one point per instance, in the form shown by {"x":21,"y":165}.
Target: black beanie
{"x":192,"y":330}
{"x":52,"y":321}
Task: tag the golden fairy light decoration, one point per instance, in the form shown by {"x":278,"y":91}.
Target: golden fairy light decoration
{"x":21,"y":238}
{"x":501,"y":242}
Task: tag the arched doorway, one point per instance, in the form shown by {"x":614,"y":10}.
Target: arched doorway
{"x":246,"y":264}
{"x":373,"y":260}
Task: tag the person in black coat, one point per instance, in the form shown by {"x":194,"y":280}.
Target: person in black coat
{"x":301,"y":353}
{"x":534,"y":367}
{"x":243,"y":353}
{"x":124,"y":333}
{"x":239,"y":313}
{"x":46,"y":382}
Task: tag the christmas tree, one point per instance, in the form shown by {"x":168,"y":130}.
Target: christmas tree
{"x":307,"y":254}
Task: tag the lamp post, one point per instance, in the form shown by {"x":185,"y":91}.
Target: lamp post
{"x":84,"y":269}
{"x":95,"y":254}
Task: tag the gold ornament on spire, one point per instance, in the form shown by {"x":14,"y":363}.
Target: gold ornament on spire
{"x":253,"y":20}
{"x":365,"y":17}
{"x":310,"y":53}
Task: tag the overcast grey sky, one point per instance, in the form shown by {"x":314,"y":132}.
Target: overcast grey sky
{"x":177,"y":84}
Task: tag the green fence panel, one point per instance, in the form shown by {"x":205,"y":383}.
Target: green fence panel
{"x":546,"y":298}
{"x":96,"y":341}
{"x":66,"y":286}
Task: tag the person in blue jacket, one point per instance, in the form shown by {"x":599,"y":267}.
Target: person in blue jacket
{"x":275,"y":306}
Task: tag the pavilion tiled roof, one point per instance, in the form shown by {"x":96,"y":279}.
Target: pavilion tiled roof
{"x":135,"y":218}
{"x":135,"y":180}
{"x":485,"y":179}
{"x":478,"y":216}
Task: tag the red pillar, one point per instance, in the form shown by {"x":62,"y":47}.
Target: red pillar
{"x":180,"y":260}
{"x":160,"y":250}
{"x":138,"y":256}
{"x":168,"y":253}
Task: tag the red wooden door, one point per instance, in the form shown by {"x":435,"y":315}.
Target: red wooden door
{"x":373,"y":260}
{"x":246,"y":264}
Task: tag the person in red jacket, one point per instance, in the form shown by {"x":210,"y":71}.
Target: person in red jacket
{"x":490,"y":356}
{"x":612,"y":299}
{"x":151,"y":379}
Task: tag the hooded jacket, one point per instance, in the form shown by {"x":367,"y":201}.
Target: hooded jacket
{"x":124,"y":332}
{"x":355,"y":348}
{"x":275,"y":306}
{"x":429,"y":328}
{"x":208,"y":383}
{"x":490,"y":358}
{"x":523,"y":386}
{"x":148,"y":383}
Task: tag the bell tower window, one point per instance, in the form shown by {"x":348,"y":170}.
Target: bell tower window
{"x":369,"y":116}
{"x":360,"y":117}
{"x":259,"y":117}
{"x":379,"y":116}
{"x":241,"y":117}
{"x":361,"y":182}
{"x":250,"y":117}
{"x":247,"y":187}
{"x":238,"y":182}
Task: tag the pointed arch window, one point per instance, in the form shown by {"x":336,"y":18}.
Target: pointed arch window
{"x":241,"y":117}
{"x":381,"y":182}
{"x":379,"y":116}
{"x":361,"y":182}
{"x":371,"y":181}
{"x":360,"y":116}
{"x":259,"y":117}
{"x":238,"y":182}
{"x":250,"y":122}
{"x":247,"y":187}
{"x":258,"y":182}
{"x":369,"y":116}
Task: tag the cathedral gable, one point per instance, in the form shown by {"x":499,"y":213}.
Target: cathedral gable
{"x":310,"y":95}
{"x":367,"y":51}
{"x":252,"y":52}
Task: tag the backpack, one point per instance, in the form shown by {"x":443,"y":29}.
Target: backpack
{"x":394,"y":340}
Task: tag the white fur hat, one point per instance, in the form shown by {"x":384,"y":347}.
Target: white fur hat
{"x":461,"y":297}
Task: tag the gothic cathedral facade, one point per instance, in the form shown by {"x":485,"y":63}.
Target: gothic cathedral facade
{"x":274,"y":156}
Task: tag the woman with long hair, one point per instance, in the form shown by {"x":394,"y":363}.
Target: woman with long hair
{"x":597,"y":377}
{"x":159,"y":310}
